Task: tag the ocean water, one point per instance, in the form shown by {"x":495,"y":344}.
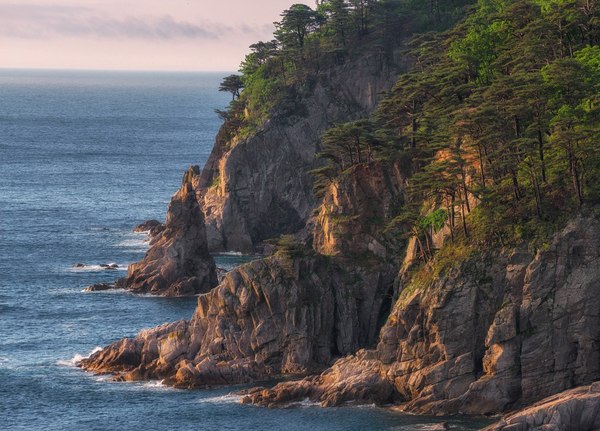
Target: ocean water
{"x":84,"y":157}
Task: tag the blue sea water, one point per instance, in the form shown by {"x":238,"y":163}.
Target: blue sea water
{"x":84,"y":157}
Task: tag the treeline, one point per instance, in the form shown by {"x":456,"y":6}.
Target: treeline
{"x":499,"y":121}
{"x":308,"y":40}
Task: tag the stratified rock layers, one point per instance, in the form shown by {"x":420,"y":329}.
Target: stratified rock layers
{"x":491,"y":334}
{"x":268,"y":317}
{"x":261,"y":187}
{"x":573,"y":410}
{"x":291,"y":313}
{"x":178,"y":262}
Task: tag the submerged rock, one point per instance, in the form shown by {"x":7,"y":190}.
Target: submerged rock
{"x":98,"y":287}
{"x":178,"y":262}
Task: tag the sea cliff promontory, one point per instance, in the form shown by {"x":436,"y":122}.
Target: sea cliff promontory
{"x":435,"y":248}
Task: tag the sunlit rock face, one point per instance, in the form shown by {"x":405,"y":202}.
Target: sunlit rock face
{"x":261,"y":187}
{"x":496,"y":332}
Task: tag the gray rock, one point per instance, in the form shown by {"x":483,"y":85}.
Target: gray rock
{"x":259,"y":188}
{"x":178,"y":262}
{"x":573,"y":410}
{"x":494,"y":332}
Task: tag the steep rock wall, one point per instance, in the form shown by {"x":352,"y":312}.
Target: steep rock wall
{"x":269,"y":317}
{"x":261,"y":187}
{"x":178,"y":262}
{"x":494,"y":333}
{"x":291,"y":313}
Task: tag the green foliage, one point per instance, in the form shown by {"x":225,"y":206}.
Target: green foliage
{"x":307,"y":41}
{"x":500,"y":119}
{"x":435,"y":220}
{"x":288,"y":247}
{"x":232,"y":84}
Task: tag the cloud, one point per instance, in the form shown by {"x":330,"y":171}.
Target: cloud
{"x":42,"y":22}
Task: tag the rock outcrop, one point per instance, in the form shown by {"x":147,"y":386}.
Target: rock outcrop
{"x":279,"y":315}
{"x":493,"y":333}
{"x":351,"y":218}
{"x":152,"y":227}
{"x":178,"y":262}
{"x":259,"y":188}
{"x":291,"y":313}
{"x":573,"y":410}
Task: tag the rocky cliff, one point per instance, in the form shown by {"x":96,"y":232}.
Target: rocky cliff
{"x":178,"y":262}
{"x":290,"y":313}
{"x":279,"y":315}
{"x":260,"y":187}
{"x":572,"y":410}
{"x":496,"y":332}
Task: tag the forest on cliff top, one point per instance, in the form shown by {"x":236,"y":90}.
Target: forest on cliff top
{"x":496,"y":120}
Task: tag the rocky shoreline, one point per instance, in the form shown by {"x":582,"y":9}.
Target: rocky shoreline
{"x":339,"y":307}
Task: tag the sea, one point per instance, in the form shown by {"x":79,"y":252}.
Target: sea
{"x":84,"y":157}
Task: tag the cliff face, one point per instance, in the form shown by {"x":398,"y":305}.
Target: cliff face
{"x":354,"y":210}
{"x":291,"y":313}
{"x":497,"y":332}
{"x":260,"y":188}
{"x":178,"y":262}
{"x":268,"y":317}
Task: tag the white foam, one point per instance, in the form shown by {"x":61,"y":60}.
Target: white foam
{"x":77,"y":358}
{"x":230,"y":253}
{"x":222,"y":399}
{"x":305,"y":403}
{"x":98,"y":268}
{"x":422,"y":427}
{"x":135,"y":243}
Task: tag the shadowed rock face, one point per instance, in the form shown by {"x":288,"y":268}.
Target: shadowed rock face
{"x":260,"y":188}
{"x":274,"y":316}
{"x":178,"y":262}
{"x":291,"y":313}
{"x":495,"y":333}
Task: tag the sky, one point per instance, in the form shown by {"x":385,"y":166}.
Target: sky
{"x":184,"y":35}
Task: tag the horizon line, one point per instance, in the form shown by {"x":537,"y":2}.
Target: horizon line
{"x":76,"y":69}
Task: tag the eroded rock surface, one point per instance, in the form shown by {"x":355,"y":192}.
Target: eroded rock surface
{"x":573,"y":410}
{"x":178,"y":262}
{"x":152,"y":227}
{"x":259,"y":188}
{"x":279,"y":315}
{"x":494,"y":333}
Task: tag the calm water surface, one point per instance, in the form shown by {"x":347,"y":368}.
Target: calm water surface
{"x":85,"y":156}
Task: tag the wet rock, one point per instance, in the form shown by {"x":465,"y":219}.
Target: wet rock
{"x":100,"y":287}
{"x":152,"y":227}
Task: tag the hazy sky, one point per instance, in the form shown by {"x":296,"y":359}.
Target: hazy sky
{"x":133,"y":34}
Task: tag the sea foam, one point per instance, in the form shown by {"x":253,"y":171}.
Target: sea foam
{"x":222,"y":399}
{"x":98,"y":268}
{"x":77,"y":358}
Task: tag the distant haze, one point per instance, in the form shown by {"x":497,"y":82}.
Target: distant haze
{"x":133,"y":34}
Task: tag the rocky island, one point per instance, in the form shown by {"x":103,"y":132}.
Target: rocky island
{"x":426,"y":190}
